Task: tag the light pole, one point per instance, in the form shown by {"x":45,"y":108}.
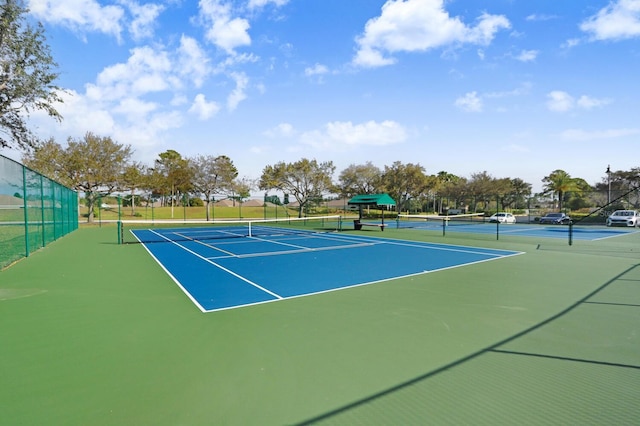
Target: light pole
{"x":608,"y":184}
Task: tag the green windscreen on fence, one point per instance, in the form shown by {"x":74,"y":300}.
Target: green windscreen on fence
{"x":34,"y":211}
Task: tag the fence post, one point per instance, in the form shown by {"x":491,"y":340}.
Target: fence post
{"x":26,"y":213}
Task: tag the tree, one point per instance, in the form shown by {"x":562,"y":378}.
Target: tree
{"x":240,"y":191}
{"x":444,"y":184}
{"x":305,"y":179}
{"x":26,"y":76}
{"x":212,"y":175}
{"x":559,"y":182}
{"x":520,"y":190}
{"x":133,"y":178}
{"x":95,"y":165}
{"x":404,"y":182}
{"x":359,"y":179}
{"x":620,"y":182}
{"x":47,"y":158}
{"x":92,"y":165}
{"x":578,"y":199}
{"x":482,"y":186}
{"x":176,"y":175}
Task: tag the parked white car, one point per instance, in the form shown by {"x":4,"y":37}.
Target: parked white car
{"x":502,"y":218}
{"x":624,"y":218}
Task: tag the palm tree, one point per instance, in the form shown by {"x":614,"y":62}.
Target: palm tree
{"x":560,"y":182}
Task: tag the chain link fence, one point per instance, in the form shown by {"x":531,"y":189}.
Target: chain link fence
{"x":34,"y":211}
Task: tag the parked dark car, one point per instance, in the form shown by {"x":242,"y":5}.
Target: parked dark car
{"x":556,"y":219}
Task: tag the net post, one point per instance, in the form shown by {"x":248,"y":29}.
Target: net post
{"x":571,"y":233}
{"x":250,"y":233}
{"x":120,"y":231}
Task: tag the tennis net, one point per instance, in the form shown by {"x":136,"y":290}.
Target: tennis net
{"x":431,"y":221}
{"x":157,"y":231}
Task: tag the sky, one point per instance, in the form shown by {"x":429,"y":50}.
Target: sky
{"x":514,"y":88}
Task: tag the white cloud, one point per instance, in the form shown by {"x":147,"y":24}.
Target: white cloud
{"x":486,"y":29}
{"x":559,"y":101}
{"x":239,"y":93}
{"x":587,"y":102}
{"x":134,"y":109}
{"x":580,"y":135}
{"x":81,"y":114}
{"x":255,"y":4}
{"x":618,"y":20}
{"x":572,"y":42}
{"x":474,"y":102}
{"x":469,"y":102}
{"x":137,"y":100}
{"x":527,"y":55}
{"x":142,"y":128}
{"x":79,"y":15}
{"x":146,"y":71}
{"x":419,"y":25}
{"x":538,"y":17}
{"x":224,"y":30}
{"x":144,"y":17}
{"x":282,"y":130}
{"x":193,"y":61}
{"x":316,"y":73}
{"x":370,"y":57}
{"x":203,"y":109}
{"x":341,"y":136}
{"x":317,"y":69}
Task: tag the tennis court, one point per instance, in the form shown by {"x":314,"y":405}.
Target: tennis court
{"x":217,"y":270}
{"x":476,"y":224}
{"x":96,"y":332}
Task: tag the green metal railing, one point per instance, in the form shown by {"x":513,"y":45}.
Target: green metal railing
{"x":34,"y":211}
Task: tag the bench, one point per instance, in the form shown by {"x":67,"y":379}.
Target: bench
{"x":357,"y":225}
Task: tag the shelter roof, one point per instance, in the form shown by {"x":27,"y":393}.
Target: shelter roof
{"x":372,"y":200}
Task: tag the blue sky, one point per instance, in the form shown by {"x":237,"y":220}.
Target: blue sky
{"x":517,"y":88}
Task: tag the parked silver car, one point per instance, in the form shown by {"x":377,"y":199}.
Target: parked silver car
{"x":624,"y":218}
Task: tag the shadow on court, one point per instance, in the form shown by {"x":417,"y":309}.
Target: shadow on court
{"x":547,"y":365}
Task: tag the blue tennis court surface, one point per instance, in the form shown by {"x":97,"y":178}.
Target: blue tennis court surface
{"x":588,"y":233}
{"x":230,"y":273}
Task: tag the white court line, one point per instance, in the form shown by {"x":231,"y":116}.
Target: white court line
{"x":215,"y":248}
{"x":221,"y":267}
{"x":297,"y":248}
{"x":437,"y":246}
{"x":621,"y":234}
{"x":330,"y":290}
{"x":284,"y":252}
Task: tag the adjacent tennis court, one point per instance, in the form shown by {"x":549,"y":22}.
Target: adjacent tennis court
{"x":477,"y":224}
{"x":217,"y":270}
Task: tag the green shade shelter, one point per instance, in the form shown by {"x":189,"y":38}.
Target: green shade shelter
{"x":371,"y":200}
{"x":376,"y":200}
